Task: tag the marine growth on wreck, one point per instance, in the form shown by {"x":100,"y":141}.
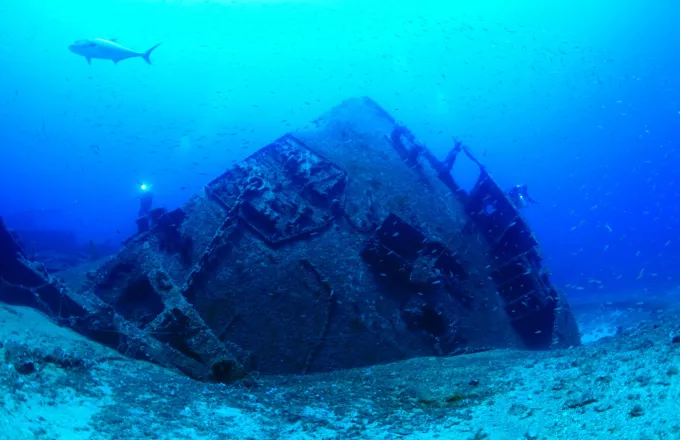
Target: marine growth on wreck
{"x":296,"y":260}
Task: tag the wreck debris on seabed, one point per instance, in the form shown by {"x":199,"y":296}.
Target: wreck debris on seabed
{"x":344,"y":244}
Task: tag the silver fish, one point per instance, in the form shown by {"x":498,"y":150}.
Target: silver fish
{"x":107,"y":50}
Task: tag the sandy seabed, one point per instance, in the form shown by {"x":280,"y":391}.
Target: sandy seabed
{"x":625,"y":384}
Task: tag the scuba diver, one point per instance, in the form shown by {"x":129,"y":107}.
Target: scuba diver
{"x":519,"y":195}
{"x":145,"y":200}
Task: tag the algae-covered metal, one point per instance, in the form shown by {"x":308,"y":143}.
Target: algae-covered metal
{"x":344,"y":244}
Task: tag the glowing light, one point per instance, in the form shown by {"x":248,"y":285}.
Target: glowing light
{"x":144,"y":187}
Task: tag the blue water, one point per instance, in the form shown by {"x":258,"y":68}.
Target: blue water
{"x":579,"y":100}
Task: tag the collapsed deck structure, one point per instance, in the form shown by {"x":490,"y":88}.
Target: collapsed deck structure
{"x":346,"y":243}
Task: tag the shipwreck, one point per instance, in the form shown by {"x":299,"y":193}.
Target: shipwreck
{"x":343,"y":244}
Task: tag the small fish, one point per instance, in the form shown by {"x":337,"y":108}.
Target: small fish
{"x":107,"y":50}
